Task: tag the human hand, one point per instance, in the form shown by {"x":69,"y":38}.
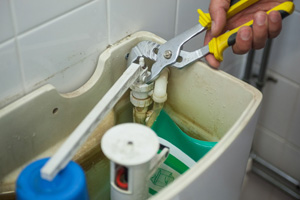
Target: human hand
{"x":264,"y":26}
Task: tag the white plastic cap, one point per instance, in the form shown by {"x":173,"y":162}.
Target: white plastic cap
{"x":130,"y":144}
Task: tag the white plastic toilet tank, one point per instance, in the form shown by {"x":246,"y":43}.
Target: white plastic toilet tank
{"x":206,"y":103}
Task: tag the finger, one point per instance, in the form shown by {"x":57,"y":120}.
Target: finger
{"x":243,"y":41}
{"x":212,"y":61}
{"x":275,"y":24}
{"x":208,"y":37}
{"x":217,"y":10}
{"x":260,"y":30}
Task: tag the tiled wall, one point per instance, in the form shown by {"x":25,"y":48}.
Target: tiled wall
{"x":55,"y":42}
{"x":278,"y":135}
{"x":58,"y":42}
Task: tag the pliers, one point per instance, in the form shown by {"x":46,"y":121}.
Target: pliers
{"x":170,"y":53}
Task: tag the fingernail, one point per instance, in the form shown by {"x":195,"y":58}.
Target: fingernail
{"x":275,"y":18}
{"x":245,"y":35}
{"x":260,"y":19}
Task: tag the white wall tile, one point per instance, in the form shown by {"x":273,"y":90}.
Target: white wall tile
{"x":285,"y":51}
{"x":297,"y":5}
{"x":11,"y":85}
{"x":293,"y":134}
{"x":63,"y":43}
{"x":189,"y":17}
{"x":277,"y":151}
{"x":278,"y":105}
{"x":290,"y":161}
{"x":268,"y":146}
{"x":6,"y":22}
{"x":233,"y":63}
{"x":127,"y":17}
{"x":236,"y":68}
{"x":78,"y":74}
{"x":31,"y":13}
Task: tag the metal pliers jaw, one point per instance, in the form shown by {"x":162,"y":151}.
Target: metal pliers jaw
{"x":144,"y":49}
{"x":167,"y":54}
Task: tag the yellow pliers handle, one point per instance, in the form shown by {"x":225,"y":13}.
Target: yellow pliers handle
{"x":219,"y":44}
{"x":235,"y":7}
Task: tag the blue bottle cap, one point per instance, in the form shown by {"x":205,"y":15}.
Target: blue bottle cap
{"x":69,"y":183}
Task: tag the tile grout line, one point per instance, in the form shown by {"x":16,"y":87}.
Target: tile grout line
{"x":56,"y":18}
{"x":277,"y":137}
{"x":7,"y":40}
{"x":17,"y":44}
{"x":284,"y":77}
{"x":257,"y":63}
{"x":290,"y":123}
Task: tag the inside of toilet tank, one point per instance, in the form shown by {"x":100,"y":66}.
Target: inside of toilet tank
{"x":185,"y":151}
